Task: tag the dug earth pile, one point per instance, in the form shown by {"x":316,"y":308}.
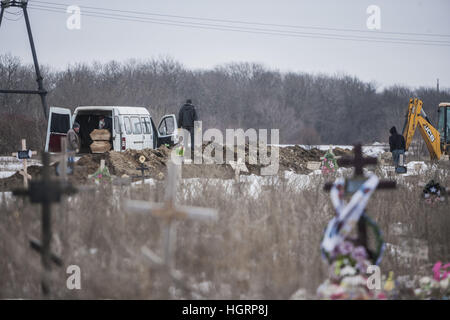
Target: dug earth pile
{"x":293,"y":158}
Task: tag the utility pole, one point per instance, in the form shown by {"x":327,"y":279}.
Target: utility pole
{"x":41,"y":90}
{"x":437,"y":85}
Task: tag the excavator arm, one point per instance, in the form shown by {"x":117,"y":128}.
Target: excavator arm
{"x":416,"y":117}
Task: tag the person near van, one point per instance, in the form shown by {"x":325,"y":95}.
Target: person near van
{"x":104,"y":123}
{"x":73,"y":140}
{"x":186,"y":118}
{"x":397,"y":145}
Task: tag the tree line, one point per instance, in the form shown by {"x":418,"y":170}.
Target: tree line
{"x":308,"y":109}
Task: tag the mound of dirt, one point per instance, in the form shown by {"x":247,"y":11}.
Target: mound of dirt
{"x":294,"y":158}
{"x":126,"y":162}
{"x":16,"y":180}
{"x":339,"y":152}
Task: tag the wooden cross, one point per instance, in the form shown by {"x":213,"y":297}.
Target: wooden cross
{"x":45,"y":191}
{"x":238,"y":166}
{"x":169,"y":212}
{"x":353,"y":184}
{"x":23,"y":155}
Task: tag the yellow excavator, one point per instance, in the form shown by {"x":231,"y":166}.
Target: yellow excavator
{"x":437,"y":140}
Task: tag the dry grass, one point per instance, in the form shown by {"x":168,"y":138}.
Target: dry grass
{"x":260,"y":248}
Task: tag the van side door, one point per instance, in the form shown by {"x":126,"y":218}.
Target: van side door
{"x":167,"y":130}
{"x":117,"y":131}
{"x":127,"y":137}
{"x":59,"y":122}
{"x":138,"y":136}
{"x":147,"y":132}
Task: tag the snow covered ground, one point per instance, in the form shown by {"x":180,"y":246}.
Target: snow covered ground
{"x":253,"y":184}
{"x":373,"y":150}
{"x":6,"y":174}
{"x":9,"y":165}
{"x":14,"y":164}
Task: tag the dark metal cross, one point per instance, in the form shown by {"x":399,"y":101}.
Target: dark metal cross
{"x":46,"y":191}
{"x":359,"y":162}
{"x":353,"y":184}
{"x":142,"y":169}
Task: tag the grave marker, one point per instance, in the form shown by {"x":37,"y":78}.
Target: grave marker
{"x":354,"y":184}
{"x":45,"y":192}
{"x":23,"y":155}
{"x":169,"y":212}
{"x":358,"y":162}
{"x":142,"y":168}
{"x":101,"y":173}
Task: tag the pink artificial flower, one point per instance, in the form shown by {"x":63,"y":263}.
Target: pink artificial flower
{"x":437,"y":271}
{"x":382,"y":296}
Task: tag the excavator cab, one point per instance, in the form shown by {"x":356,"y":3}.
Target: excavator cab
{"x":444,"y":126}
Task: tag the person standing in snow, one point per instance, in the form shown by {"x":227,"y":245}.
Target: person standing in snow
{"x":397,"y":145}
{"x":186,"y":118}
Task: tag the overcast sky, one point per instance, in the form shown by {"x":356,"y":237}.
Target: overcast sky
{"x":103,"y":39}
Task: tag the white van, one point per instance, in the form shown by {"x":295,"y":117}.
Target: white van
{"x":130,"y":127}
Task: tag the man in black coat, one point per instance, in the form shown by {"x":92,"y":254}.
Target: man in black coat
{"x":397,"y":145}
{"x":186,"y":118}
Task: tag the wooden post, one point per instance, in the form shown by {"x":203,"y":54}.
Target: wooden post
{"x":25,"y":165}
{"x":169,"y":212}
{"x":24,"y":154}
{"x":64,"y":159}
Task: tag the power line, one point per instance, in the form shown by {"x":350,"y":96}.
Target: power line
{"x":272,"y":31}
{"x":252,"y":23}
{"x":248,"y":30}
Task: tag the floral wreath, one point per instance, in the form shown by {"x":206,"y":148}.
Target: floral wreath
{"x":329,"y":163}
{"x":433,"y":192}
{"x":349,"y":248}
{"x":101,"y":175}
